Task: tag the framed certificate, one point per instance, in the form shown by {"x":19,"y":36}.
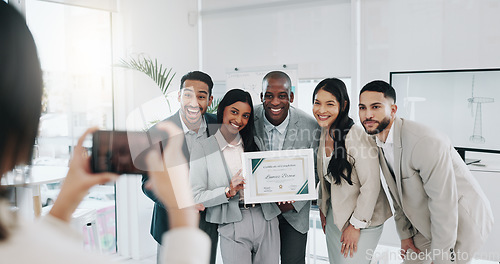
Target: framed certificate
{"x":276,"y":176}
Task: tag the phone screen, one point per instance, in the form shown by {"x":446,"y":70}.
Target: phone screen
{"x":122,"y":152}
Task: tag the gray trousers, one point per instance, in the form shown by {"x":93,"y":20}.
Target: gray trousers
{"x":252,"y":240}
{"x":367,"y":243}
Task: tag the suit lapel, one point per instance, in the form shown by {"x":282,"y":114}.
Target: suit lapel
{"x":398,"y":151}
{"x":216,"y":148}
{"x":212,"y":125}
{"x":321,"y":154}
{"x":291,"y":132}
{"x":177,"y":120}
{"x":388,"y":175}
{"x":259,"y":129}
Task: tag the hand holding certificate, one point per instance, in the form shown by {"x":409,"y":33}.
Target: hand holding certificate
{"x":236,"y":184}
{"x":275,"y":176}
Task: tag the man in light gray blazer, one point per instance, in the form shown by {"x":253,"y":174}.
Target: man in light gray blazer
{"x":278,"y":126}
{"x":441,"y":213}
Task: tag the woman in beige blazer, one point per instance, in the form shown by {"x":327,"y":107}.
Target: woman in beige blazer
{"x":353,"y":205}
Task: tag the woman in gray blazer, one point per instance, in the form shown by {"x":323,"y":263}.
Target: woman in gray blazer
{"x":353,"y":205}
{"x":247,"y":234}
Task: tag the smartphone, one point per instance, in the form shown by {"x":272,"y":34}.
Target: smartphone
{"x":121,"y":152}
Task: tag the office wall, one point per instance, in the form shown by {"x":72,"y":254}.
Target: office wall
{"x":409,"y":35}
{"x":427,"y":34}
{"x":313,"y":34}
{"x":157,"y":29}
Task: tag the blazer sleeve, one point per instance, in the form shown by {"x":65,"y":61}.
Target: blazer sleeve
{"x":432,"y":159}
{"x":315,"y":145}
{"x":199,"y":177}
{"x":366,"y":165}
{"x":149,"y":193}
{"x":403,"y":225}
{"x":323,"y":193}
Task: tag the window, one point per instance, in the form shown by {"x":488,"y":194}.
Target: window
{"x":74,"y":46}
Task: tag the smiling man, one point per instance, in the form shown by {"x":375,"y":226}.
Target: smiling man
{"x":441,"y":213}
{"x":279,"y":126}
{"x":195,"y":95}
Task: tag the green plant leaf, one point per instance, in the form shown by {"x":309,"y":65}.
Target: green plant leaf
{"x":212,"y":109}
{"x":154,"y":70}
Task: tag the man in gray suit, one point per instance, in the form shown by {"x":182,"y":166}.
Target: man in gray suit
{"x":441,"y":213}
{"x":278,"y":126}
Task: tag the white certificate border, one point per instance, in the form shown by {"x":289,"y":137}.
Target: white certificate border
{"x":246,"y":159}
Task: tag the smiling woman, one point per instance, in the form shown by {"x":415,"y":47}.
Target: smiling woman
{"x":220,"y":188}
{"x":242,"y":98}
{"x":347,"y":165}
{"x":235,"y":119}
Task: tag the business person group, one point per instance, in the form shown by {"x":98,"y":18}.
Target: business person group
{"x":441,"y":213}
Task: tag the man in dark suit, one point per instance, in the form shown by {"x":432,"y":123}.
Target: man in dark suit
{"x":195,"y":95}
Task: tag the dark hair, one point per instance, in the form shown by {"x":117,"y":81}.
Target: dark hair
{"x":277,"y":75}
{"x":247,"y":133}
{"x":198,"y":76}
{"x":339,"y":166}
{"x":20,"y":91}
{"x":381,"y":87}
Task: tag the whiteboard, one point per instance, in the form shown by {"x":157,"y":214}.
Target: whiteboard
{"x":250,"y":79}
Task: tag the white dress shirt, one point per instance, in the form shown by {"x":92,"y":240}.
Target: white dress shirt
{"x":276,"y":134}
{"x":232,"y":154}
{"x":192,"y":136}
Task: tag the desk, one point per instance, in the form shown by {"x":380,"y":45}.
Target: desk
{"x":33,"y":177}
{"x":488,"y":162}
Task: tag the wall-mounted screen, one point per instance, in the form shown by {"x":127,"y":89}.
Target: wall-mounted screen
{"x":464,"y":104}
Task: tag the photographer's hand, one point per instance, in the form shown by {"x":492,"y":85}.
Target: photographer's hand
{"x":172,"y":186}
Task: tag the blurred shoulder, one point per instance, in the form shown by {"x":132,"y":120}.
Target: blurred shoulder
{"x":417,"y":132}
{"x":303,"y":118}
{"x":210,"y":118}
{"x":357,"y":135}
{"x":258,"y":109}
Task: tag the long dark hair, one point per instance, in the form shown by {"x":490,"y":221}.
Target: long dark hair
{"x":247,"y":133}
{"x":20,"y":92}
{"x":339,"y":166}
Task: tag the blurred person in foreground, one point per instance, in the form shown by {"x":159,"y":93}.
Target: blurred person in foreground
{"x":51,"y":239}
